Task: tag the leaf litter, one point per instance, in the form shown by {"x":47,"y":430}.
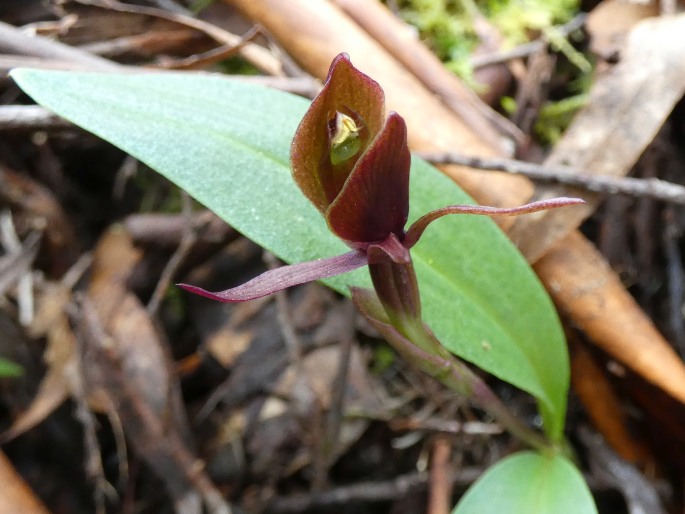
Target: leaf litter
{"x":269,"y":429}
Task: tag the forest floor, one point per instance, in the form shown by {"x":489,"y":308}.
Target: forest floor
{"x":136,"y":397}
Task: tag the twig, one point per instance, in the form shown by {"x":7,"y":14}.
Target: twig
{"x":296,"y":354}
{"x":393,"y":489}
{"x":14,"y":41}
{"x":367,"y":491}
{"x":8,"y":62}
{"x":147,"y":44}
{"x":255,"y":54}
{"x":292,"y":341}
{"x":187,"y":240}
{"x":302,"y":86}
{"x":447,"y":426}
{"x":166,"y":230}
{"x":674,"y":269}
{"x":640,"y":495}
{"x":526,"y":49}
{"x":210,"y":57}
{"x":440,"y":489}
{"x":339,"y":387}
{"x":172,"y":6}
{"x":650,"y":188}
{"x":16,"y":267}
{"x":29,"y":117}
{"x":372,"y":491}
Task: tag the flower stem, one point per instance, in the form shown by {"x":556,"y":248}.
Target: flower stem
{"x":395,"y":285}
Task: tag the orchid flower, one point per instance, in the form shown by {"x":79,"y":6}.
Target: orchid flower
{"x":353,"y":164}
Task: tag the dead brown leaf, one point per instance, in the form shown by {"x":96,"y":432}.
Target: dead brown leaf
{"x":124,"y":361}
{"x":51,"y":321}
{"x":595,"y":299}
{"x":35,"y":207}
{"x":149,"y":31}
{"x":18,"y":261}
{"x":627,"y":107}
{"x":604,"y":407}
{"x":610,"y":22}
{"x":15,"y":496}
{"x":303,"y":393}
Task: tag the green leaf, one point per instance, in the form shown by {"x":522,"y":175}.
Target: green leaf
{"x":227,"y":144}
{"x":529,"y":483}
{"x":9,"y":368}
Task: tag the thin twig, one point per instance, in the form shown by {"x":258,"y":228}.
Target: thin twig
{"x":292,"y":341}
{"x":339,"y":387}
{"x":639,"y":494}
{"x":302,"y":86}
{"x":18,"y":264}
{"x":14,"y":41}
{"x":674,"y":269}
{"x":187,"y":241}
{"x":526,"y":49}
{"x":29,"y":117}
{"x":440,"y":489}
{"x":390,"y":490}
{"x":294,"y":347}
{"x":371,"y":491}
{"x":650,"y":188}
{"x":205,"y":59}
{"x":393,"y":489}
{"x":255,"y":54}
{"x":446,"y":426}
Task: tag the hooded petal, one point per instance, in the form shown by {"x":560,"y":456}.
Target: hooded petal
{"x":348,"y":95}
{"x":375,"y":199}
{"x":284,"y":277}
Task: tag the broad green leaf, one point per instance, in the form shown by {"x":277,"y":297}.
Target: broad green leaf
{"x":529,"y":483}
{"x":227,"y":144}
{"x":9,"y":368}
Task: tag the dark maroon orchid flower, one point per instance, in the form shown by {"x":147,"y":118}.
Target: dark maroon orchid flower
{"x":353,"y":164}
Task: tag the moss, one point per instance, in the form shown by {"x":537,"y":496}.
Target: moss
{"x":447,"y":25}
{"x":556,"y":116}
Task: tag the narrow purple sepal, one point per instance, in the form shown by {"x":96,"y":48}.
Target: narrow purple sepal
{"x":416,"y":230}
{"x":286,"y":276}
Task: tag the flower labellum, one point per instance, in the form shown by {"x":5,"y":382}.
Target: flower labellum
{"x":344,"y":137}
